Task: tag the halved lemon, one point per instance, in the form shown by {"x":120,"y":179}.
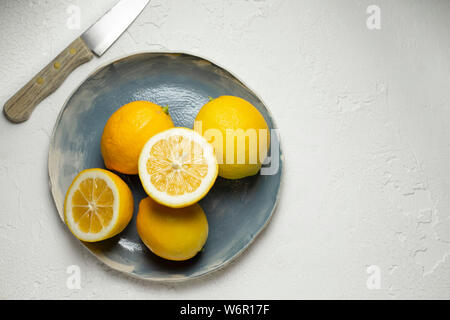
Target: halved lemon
{"x":177,"y":167}
{"x":98,"y":205}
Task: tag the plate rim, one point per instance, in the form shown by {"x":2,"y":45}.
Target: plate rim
{"x":221,"y":265}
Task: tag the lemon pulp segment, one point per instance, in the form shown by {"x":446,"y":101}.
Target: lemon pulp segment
{"x":92,"y":205}
{"x":174,"y":167}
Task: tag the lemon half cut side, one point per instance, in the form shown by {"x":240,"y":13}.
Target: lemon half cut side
{"x":177,"y":167}
{"x":98,"y":205}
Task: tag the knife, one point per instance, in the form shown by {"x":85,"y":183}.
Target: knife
{"x":96,"y":40}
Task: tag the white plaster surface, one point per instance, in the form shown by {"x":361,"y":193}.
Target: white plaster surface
{"x":365,"y":125}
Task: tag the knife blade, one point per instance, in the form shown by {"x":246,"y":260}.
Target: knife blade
{"x":102,"y":34}
{"x":95,"y":40}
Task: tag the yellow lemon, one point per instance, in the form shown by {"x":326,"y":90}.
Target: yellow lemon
{"x":174,"y":234}
{"x":98,"y":205}
{"x":177,"y":167}
{"x":239,"y":133}
{"x":126,"y":132}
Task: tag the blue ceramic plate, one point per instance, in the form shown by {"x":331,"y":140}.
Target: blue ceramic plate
{"x":237,"y":210}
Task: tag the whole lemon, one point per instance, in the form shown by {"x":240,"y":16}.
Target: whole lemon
{"x":238,"y":132}
{"x":173,"y":234}
{"x":127,"y":131}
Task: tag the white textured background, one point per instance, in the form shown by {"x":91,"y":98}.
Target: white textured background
{"x":365,"y":126}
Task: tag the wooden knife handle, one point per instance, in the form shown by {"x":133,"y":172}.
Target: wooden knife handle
{"x":20,"y":106}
